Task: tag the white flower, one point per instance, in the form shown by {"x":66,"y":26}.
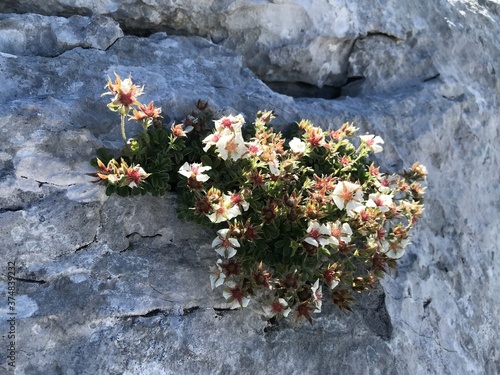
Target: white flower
{"x":339,"y":232}
{"x":238,"y":200}
{"x":194,"y":170}
{"x":229,"y":123}
{"x":211,"y":140}
{"x":277,"y":307}
{"x":387,"y":183}
{"x":224,"y":245}
{"x":217,"y":277}
{"x":331,"y":276}
{"x":253,"y":149}
{"x":318,"y":234}
{"x":317,"y":296}
{"x":297,"y":146}
{"x":373,"y":142}
{"x":231,"y":146}
{"x":235,"y":296}
{"x":226,"y":210}
{"x":274,"y":167}
{"x":394,"y":248}
{"x":349,"y":196}
{"x":131,"y":175}
{"x":382,"y":201}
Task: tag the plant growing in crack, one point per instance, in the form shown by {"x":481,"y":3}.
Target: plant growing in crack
{"x":296,"y":219}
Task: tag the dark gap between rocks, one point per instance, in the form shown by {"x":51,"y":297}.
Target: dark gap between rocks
{"x":304,"y":90}
{"x":30,"y":280}
{"x":146,"y":33}
{"x":307,"y":90}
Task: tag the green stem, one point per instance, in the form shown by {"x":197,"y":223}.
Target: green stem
{"x":124,"y":136}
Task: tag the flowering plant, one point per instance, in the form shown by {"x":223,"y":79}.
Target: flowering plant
{"x":295,"y":219}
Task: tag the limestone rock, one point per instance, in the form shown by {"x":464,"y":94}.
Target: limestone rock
{"x":33,"y":34}
{"x":297,"y":41}
{"x":119,"y":286}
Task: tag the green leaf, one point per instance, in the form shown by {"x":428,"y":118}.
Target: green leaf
{"x":123,"y":191}
{"x":206,"y":161}
{"x":110,"y":190}
{"x":104,"y":155}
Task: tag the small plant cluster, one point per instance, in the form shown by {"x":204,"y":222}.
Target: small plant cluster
{"x":297,"y":219}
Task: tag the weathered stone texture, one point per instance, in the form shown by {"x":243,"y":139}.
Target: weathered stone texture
{"x":119,"y":286}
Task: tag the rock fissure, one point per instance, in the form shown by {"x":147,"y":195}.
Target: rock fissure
{"x":87,"y":245}
{"x":434,"y":339}
{"x":12,"y":209}
{"x":32,"y":281}
{"x":133,"y":234}
{"x":42,"y":183}
{"x":149,"y":314}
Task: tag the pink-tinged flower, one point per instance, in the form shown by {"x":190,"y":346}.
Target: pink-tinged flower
{"x":339,"y":232}
{"x":382,"y":201}
{"x":217,"y":277}
{"x":278,"y":307}
{"x":125,"y":92}
{"x":331,"y":275}
{"x":315,"y":137}
{"x":374,"y":171}
{"x":231,"y":146}
{"x":109,"y":172}
{"x":224,"y":210}
{"x":385,"y":184}
{"x":234,"y":295}
{"x":394,"y":248}
{"x":318,"y":234}
{"x":373,"y":142}
{"x":211,"y":140}
{"x":229,"y":123}
{"x":195,"y":171}
{"x":253,"y":149}
{"x":238,"y":200}
{"x":179,"y":130}
{"x":297,"y":146}
{"x":349,"y":196}
{"x":224,"y":244}
{"x":146,"y":112}
{"x":345,"y":161}
{"x":132,"y":175}
{"x":317,"y":296}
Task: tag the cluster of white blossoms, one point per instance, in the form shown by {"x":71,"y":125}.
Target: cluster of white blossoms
{"x":195,"y":171}
{"x":365,"y":210}
{"x":293,"y":217}
{"x":333,"y":234}
{"x":349,"y":196}
{"x":227,"y":138}
{"x":229,"y":143}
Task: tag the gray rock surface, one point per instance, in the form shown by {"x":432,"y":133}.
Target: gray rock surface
{"x":297,"y":41}
{"x":33,"y":34}
{"x":119,"y":286}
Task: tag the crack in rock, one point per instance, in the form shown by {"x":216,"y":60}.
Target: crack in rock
{"x":11,"y":209}
{"x":87,"y":245}
{"x":32,"y":281}
{"x":160,"y":311}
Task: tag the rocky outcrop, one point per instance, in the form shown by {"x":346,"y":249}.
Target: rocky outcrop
{"x":33,"y":34}
{"x":119,"y":286}
{"x":316,"y":42}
